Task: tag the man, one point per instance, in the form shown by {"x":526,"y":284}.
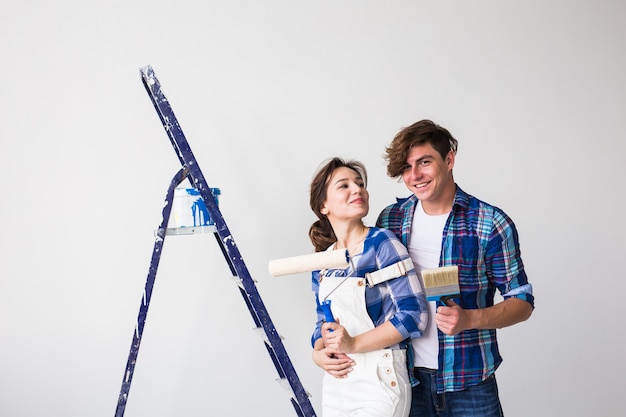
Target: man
{"x":457,"y":356}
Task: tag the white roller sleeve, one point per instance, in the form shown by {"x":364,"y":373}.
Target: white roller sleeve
{"x":312,"y":262}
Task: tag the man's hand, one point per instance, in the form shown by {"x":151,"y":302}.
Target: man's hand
{"x":452,"y":319}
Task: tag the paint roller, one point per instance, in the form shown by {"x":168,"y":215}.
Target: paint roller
{"x":312,"y":262}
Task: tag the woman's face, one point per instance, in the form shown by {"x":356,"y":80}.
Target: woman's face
{"x":346,"y":196}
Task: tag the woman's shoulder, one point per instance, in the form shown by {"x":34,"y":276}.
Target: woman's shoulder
{"x":382,"y":235}
{"x":388,"y":248}
{"x":381,"y":232}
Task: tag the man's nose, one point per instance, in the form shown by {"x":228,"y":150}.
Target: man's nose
{"x":415,"y":171}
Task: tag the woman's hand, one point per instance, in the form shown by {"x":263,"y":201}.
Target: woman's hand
{"x":331,"y":360}
{"x":337,"y":337}
{"x":335,"y":363}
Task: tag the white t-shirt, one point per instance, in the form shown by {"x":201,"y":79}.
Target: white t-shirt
{"x":425,"y":250}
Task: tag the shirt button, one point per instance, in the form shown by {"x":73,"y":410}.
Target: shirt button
{"x":393,"y":383}
{"x":388,"y":370}
{"x":361,"y":283}
{"x":386,"y":356}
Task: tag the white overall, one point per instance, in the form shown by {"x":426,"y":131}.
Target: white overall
{"x":378,"y":385}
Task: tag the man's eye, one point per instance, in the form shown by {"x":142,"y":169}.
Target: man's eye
{"x":406,"y":167}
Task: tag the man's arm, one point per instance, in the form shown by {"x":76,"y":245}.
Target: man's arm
{"x":506,"y":270}
{"x":453,"y":319}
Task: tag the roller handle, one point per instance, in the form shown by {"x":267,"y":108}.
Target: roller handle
{"x":328,"y":314}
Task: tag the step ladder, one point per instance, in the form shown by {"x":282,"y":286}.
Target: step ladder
{"x":190,"y":170}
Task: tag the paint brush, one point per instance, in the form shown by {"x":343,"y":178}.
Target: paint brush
{"x":441,"y":284}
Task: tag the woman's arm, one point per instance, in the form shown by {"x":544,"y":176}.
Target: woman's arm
{"x":330,"y":360}
{"x":380,"y":337}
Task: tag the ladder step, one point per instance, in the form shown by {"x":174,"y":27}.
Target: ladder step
{"x":261,"y":333}
{"x":283,"y":382}
{"x":237,"y":281}
{"x":190,"y":230}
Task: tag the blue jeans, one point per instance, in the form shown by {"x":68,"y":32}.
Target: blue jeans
{"x":478,"y":401}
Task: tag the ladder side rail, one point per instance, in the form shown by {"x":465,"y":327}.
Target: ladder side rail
{"x":177,"y":137}
{"x":159,"y":101}
{"x":253,"y":296}
{"x":278,"y":352}
{"x":148,"y":78}
{"x":255,"y":317}
{"x":147,"y":294}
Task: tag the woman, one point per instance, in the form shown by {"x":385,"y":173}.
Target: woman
{"x":364,"y":352}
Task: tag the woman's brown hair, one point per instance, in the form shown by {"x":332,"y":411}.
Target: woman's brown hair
{"x":321,"y":232}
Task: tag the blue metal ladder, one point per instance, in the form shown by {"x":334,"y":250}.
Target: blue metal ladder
{"x":191,"y":170}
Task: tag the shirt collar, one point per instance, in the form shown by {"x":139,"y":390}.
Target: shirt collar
{"x":461,"y":199}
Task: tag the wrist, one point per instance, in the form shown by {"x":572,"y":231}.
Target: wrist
{"x":475,"y":319}
{"x":356,"y":345}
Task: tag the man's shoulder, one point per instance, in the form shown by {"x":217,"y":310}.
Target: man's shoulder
{"x":473,"y":204}
{"x":394,"y":212}
{"x":401,"y":203}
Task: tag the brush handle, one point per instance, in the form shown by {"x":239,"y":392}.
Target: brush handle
{"x":445,"y":298}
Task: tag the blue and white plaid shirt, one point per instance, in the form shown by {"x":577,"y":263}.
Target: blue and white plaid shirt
{"x":400,"y":300}
{"x":482,"y":240}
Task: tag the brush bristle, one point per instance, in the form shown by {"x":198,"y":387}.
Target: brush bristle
{"x":441,"y":277}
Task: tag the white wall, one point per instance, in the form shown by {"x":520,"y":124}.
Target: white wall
{"x":533,"y":90}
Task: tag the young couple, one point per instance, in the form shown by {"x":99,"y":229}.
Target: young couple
{"x":391,"y":353}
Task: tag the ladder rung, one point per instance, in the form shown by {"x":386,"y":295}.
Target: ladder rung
{"x":261,"y":333}
{"x":283,"y":382}
{"x":237,"y":281}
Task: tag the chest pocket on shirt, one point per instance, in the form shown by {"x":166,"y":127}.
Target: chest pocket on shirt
{"x":467,"y":253}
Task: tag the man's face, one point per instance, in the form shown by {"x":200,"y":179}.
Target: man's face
{"x":429,"y":177}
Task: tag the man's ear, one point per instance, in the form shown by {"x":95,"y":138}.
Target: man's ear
{"x":450,"y":158}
